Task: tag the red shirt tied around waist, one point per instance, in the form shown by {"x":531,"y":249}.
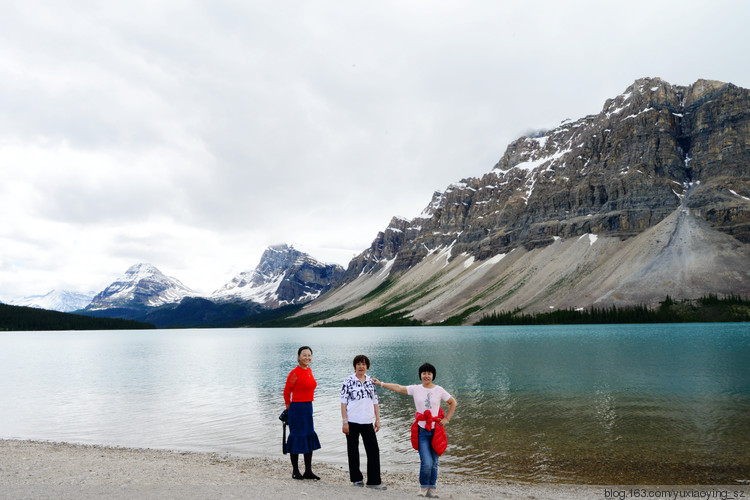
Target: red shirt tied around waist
{"x":439,"y":439}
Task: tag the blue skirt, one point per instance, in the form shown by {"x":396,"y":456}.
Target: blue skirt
{"x":302,"y":436}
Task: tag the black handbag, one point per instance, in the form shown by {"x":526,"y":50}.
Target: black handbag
{"x":283,"y":417}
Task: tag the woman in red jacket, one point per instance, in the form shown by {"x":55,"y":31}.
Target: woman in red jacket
{"x":298,"y":397}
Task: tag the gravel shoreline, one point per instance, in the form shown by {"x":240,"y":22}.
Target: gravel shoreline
{"x":40,"y":470}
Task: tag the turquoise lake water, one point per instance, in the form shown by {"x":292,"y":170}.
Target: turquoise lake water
{"x":596,"y":403}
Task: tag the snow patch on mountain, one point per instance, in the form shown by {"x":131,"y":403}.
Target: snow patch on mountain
{"x":250,"y":285}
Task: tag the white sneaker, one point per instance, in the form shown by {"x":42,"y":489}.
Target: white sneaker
{"x":377,"y":486}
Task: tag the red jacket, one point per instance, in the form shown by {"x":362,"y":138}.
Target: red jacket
{"x":300,"y":386}
{"x":439,"y":439}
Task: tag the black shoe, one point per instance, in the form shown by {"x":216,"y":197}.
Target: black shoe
{"x":297,"y":475}
{"x":310,"y":475}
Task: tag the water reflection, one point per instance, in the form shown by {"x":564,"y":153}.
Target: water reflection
{"x":667,"y":403}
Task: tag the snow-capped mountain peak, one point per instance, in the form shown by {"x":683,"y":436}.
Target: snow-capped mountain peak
{"x":283,"y":276}
{"x":142,"y":285}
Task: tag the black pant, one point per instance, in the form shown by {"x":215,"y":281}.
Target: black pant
{"x":371,"y":449}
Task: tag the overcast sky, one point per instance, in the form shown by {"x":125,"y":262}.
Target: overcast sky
{"x":193,"y":134}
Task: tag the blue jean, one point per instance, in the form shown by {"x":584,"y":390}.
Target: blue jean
{"x":428,"y":468}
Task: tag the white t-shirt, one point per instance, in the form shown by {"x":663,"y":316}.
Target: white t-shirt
{"x":427,"y":399}
{"x":359,"y":398}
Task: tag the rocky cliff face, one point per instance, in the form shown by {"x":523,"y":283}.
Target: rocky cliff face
{"x":653,"y":151}
{"x":283,"y":276}
{"x":617,"y":173}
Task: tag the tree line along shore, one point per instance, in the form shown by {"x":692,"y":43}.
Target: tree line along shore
{"x":710,"y":308}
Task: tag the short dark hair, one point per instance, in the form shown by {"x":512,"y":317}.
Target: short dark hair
{"x":299,"y":351}
{"x":427,"y":367}
{"x":360,"y":358}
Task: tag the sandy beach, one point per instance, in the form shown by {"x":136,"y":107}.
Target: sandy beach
{"x":39,"y":470}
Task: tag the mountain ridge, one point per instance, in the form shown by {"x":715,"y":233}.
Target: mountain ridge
{"x":519,"y":178}
{"x":284,"y":276}
{"x":55,"y":300}
{"x":655,"y":151}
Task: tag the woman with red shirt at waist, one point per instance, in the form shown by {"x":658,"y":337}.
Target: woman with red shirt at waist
{"x":298,"y":397}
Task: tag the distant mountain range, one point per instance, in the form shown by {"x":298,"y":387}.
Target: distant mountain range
{"x":648,"y":198}
{"x":284,"y":276}
{"x":56,"y":300}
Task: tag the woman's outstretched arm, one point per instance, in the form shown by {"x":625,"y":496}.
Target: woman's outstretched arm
{"x":401,"y":389}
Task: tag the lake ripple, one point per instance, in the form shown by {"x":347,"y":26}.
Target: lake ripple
{"x":607,"y":404}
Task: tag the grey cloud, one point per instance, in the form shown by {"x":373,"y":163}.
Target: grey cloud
{"x":260,"y":122}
